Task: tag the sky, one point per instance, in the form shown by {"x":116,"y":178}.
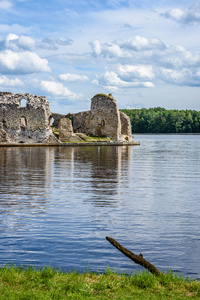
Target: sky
{"x":146,"y":53}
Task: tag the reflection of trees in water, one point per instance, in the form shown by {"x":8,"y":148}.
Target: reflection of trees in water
{"x":24,"y":176}
{"x":96,"y":170}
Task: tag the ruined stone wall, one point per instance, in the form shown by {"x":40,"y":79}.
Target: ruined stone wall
{"x":105,"y":117}
{"x":66,"y":133}
{"x":65,"y":129}
{"x":56,"y":119}
{"x":81,"y":122}
{"x":126,"y":128}
{"x":28,"y":124}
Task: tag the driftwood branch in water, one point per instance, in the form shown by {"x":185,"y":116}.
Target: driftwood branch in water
{"x":138,"y":259}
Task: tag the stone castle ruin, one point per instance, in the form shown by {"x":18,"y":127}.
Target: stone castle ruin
{"x":31,"y":123}
{"x":25,"y":124}
{"x":104,"y":119}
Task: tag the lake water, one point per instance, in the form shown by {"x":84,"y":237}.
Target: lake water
{"x":57,"y":205}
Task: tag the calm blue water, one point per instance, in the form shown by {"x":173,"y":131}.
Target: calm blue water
{"x":58,"y":204}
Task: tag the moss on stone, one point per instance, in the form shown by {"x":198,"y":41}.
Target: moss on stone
{"x":101,"y":94}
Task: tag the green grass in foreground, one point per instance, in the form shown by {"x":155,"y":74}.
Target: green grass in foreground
{"x":47,"y":283}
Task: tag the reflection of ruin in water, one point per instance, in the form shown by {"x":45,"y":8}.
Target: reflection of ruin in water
{"x":107,"y":172}
{"x":24,"y":176}
{"x":28,"y":174}
{"x":94,"y":171}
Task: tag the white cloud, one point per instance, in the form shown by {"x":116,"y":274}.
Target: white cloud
{"x":146,"y":51}
{"x":139,"y":43}
{"x":17,"y":57}
{"x":11,"y":37}
{"x":5,"y":81}
{"x":189,"y":16}
{"x":110,"y":78}
{"x":175,"y":13}
{"x":184,"y":77}
{"x":57,"y":89}
{"x":96,"y":47}
{"x":177,"y":57}
{"x":172,"y":76}
{"x":152,"y":56}
{"x":108,"y":50}
{"x":5,"y":4}
{"x":25,"y":62}
{"x":73,"y":77}
{"x":17,"y":43}
{"x":127,"y":48}
{"x":128,"y":72}
{"x":26,"y":42}
{"x":109,"y":88}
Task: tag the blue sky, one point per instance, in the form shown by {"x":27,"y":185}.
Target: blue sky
{"x":146,"y":53}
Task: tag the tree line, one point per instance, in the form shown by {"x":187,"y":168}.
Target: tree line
{"x":161,"y":120}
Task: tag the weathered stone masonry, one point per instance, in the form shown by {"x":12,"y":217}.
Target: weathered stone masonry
{"x":29,"y":124}
{"x":104,"y":119}
{"x":32,"y":123}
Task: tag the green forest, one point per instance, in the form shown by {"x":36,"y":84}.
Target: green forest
{"x":161,"y":120}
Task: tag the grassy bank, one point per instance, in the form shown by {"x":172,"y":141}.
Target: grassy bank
{"x":47,"y":283}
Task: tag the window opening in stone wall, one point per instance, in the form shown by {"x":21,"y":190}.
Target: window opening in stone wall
{"x":72,"y":120}
{"x":4,"y":124}
{"x":23,"y":102}
{"x":23,"y":122}
{"x":51,"y":121}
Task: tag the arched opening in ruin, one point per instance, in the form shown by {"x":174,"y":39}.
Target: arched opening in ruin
{"x":72,"y":120}
{"x":23,"y":122}
{"x":51,"y":121}
{"x":23,"y":103}
{"x":4,"y":124}
{"x":103,"y":123}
